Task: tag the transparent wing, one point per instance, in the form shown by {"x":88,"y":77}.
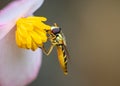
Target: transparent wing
{"x":64,"y":39}
{"x":65,"y":45}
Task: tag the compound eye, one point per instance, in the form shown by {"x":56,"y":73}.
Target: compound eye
{"x":56,"y":30}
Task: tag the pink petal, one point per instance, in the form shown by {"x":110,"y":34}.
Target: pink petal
{"x":14,"y":11}
{"x":18,"y":67}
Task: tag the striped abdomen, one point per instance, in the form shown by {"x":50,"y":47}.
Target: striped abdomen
{"x":62,"y":56}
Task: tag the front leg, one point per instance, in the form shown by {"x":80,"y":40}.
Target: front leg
{"x":51,"y":36}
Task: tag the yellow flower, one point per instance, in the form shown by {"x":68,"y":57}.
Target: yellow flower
{"x":31,"y":32}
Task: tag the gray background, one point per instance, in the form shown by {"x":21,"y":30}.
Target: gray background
{"x":92,"y":29}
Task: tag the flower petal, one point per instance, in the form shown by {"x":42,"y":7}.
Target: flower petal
{"x":14,"y":11}
{"x":18,"y":67}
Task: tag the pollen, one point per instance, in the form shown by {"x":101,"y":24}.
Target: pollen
{"x":31,"y":32}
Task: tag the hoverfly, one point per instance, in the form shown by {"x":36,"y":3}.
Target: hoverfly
{"x":56,"y":37}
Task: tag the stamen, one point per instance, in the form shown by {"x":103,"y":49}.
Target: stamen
{"x":31,"y":32}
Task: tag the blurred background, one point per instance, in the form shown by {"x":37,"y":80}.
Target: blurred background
{"x":92,"y":30}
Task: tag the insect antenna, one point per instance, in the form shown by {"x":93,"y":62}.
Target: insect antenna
{"x":55,"y":24}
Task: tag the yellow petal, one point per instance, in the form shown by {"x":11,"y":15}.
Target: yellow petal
{"x":42,"y":34}
{"x":34,"y":46}
{"x":36,"y":19}
{"x":18,"y":39}
{"x":36,"y":38}
{"x":29,"y":42}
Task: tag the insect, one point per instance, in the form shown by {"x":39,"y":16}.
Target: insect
{"x":56,"y":37}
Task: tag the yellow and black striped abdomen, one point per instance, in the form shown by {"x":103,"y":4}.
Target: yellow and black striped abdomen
{"x":62,"y":57}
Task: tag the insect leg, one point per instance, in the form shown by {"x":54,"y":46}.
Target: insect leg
{"x":47,"y":52}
